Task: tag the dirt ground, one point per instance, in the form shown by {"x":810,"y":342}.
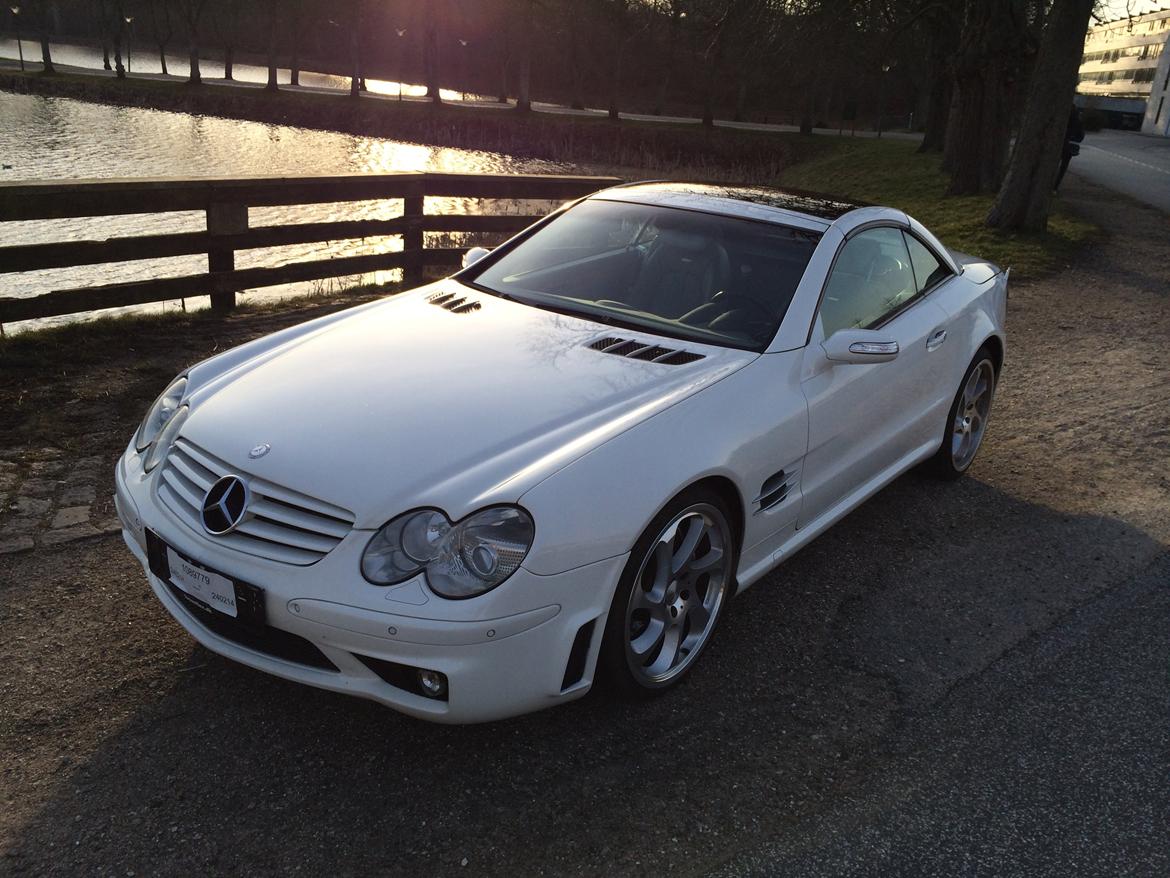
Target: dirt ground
{"x":849,"y":674}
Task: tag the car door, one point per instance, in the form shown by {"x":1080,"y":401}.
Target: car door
{"x":866,"y":417}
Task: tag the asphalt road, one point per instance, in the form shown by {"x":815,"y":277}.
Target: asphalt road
{"x":1137,"y":165}
{"x":958,"y":679}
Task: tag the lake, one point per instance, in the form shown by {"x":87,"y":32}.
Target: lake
{"x":54,"y":138}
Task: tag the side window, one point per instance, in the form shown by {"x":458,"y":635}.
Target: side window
{"x":871,"y":279}
{"x":927,"y":270}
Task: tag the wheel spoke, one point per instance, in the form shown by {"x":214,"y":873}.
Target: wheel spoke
{"x":695,"y":528}
{"x":644,"y":645}
{"x":707,"y":563}
{"x":969,"y":389}
{"x":668,"y":654}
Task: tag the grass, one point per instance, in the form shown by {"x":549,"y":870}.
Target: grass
{"x":892,"y":173}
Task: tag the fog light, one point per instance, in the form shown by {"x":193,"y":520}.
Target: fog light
{"x":432,"y":683}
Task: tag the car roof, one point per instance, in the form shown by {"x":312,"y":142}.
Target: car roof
{"x":787,"y":206}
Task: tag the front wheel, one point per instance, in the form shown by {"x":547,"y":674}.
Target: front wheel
{"x":967,"y":419}
{"x":671,"y":596}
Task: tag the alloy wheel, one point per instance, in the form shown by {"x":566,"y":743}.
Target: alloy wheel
{"x":677,"y":595}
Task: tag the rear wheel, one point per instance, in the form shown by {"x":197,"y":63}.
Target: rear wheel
{"x":967,"y":419}
{"x":671,"y":595}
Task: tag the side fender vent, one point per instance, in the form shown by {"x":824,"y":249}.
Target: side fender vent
{"x":454,"y":304}
{"x":775,"y":490}
{"x":650,"y":353}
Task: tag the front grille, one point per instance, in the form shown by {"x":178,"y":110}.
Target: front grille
{"x":280,"y":524}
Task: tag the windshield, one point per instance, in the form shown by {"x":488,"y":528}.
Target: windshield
{"x":680,"y":273}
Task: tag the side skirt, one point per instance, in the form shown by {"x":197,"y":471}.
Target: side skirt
{"x":748,"y":576}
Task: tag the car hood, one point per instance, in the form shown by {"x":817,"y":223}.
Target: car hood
{"x":409,"y":404}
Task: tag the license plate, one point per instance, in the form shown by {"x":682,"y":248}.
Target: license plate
{"x":217,"y":592}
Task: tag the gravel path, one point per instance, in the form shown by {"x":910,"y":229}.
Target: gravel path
{"x":958,"y":679}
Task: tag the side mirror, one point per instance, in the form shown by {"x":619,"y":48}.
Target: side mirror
{"x":860,"y":346}
{"x":473,"y":255}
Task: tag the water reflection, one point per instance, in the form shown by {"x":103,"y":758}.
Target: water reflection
{"x":145,"y":59}
{"x":55,"y":138}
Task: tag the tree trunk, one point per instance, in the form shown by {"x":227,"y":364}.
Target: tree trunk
{"x":294,"y":73}
{"x":355,"y":50}
{"x":229,"y":61}
{"x":1025,"y":197}
{"x":938,"y":107}
{"x":431,"y":52}
{"x":741,"y":100}
{"x":523,"y":95}
{"x":504,"y":70}
{"x":273,"y":83}
{"x":119,"y":68}
{"x":980,"y":128}
{"x":615,"y":87}
{"x":671,"y":43}
{"x":46,"y":53}
{"x":195,"y":77}
{"x":162,"y":57}
{"x":577,"y":97}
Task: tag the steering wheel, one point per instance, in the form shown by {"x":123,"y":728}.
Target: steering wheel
{"x":726,"y":300}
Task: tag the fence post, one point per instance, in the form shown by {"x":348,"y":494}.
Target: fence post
{"x":412,"y":240}
{"x":224,"y":219}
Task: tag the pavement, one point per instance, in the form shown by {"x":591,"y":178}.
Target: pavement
{"x":957,"y":679}
{"x":1137,"y":165}
{"x":1052,"y":763}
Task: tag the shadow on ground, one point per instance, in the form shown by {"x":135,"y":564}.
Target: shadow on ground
{"x":206,"y":765}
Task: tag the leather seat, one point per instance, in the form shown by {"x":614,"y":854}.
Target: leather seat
{"x":684,"y":270}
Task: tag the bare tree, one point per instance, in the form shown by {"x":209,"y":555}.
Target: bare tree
{"x":161,"y":27}
{"x":192,"y":11}
{"x":296,"y":20}
{"x":273,"y":83}
{"x":979,"y":123}
{"x":41,"y":17}
{"x":1025,"y":198}
{"x":103,"y":12}
{"x":356,"y":26}
{"x":227,"y":26}
{"x":431,"y":60}
{"x":119,"y":37}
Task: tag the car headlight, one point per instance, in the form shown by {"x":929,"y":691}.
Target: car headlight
{"x":460,"y":560}
{"x":160,"y":413}
{"x":164,"y":440}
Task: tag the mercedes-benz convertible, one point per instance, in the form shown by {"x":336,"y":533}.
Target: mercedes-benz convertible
{"x":477,"y":498}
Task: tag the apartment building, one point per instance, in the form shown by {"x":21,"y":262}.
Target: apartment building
{"x":1125,"y":69}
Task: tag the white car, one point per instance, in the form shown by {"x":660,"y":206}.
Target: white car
{"x":472,"y":500}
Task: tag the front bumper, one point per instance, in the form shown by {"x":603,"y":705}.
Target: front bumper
{"x":505,"y":653}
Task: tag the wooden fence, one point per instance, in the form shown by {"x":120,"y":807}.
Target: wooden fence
{"x":225,"y":203}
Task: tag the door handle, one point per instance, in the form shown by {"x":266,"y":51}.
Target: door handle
{"x":935,"y":341}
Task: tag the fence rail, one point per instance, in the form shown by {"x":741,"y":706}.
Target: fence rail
{"x":225,"y":203}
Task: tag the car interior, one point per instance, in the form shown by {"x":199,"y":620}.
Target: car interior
{"x":871,"y":278}
{"x":724,"y":276}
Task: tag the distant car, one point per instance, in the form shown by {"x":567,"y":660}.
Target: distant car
{"x":470,"y":500}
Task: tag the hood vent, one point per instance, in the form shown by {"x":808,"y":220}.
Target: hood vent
{"x":636,"y":350}
{"x":454,"y":304}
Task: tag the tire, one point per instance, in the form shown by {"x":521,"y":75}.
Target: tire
{"x":966,"y":423}
{"x":663,"y":616}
